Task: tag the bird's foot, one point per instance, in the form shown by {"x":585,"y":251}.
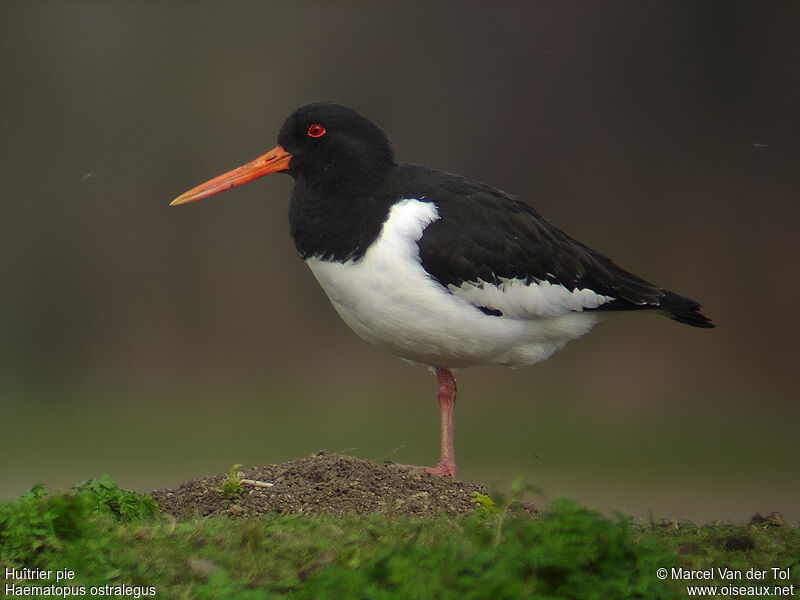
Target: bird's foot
{"x":440,"y":470}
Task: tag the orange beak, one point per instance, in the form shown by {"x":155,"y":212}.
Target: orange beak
{"x":273,"y":161}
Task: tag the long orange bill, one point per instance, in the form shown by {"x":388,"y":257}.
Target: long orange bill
{"x":273,"y":161}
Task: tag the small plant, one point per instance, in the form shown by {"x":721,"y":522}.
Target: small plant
{"x":497,"y":512}
{"x":518,"y":489}
{"x":484,"y":505}
{"x":231,"y":486}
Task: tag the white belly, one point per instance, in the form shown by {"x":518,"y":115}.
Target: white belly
{"x":388,"y":299}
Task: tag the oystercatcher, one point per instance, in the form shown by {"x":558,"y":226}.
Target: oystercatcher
{"x":433,"y":267}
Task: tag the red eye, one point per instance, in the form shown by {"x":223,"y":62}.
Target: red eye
{"x":316,"y":130}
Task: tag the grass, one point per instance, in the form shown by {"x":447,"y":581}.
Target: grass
{"x":111,"y":538}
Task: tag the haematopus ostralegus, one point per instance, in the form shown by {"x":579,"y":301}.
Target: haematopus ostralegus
{"x":433,"y":267}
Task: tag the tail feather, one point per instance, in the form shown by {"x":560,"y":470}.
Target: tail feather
{"x":684,"y":310}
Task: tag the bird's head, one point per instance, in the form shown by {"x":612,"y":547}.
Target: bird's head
{"x":322,"y":144}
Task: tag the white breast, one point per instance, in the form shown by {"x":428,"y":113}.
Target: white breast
{"x":388,"y":299}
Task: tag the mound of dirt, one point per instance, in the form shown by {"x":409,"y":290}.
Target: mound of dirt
{"x":322,"y":483}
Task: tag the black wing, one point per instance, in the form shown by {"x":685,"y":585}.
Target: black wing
{"x":486,"y":234}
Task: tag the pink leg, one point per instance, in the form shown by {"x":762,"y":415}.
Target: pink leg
{"x":446,"y":392}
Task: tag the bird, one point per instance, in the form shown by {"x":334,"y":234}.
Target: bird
{"x":436,"y":268}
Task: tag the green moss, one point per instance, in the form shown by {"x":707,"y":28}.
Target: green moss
{"x":109,"y":536}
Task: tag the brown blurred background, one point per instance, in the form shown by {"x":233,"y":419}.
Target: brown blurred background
{"x":157,"y":344}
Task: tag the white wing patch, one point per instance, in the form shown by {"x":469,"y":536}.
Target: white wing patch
{"x":518,"y":299}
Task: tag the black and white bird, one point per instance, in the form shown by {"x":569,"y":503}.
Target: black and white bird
{"x":433,"y":267}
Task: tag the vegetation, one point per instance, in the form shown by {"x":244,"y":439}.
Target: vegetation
{"x":112,"y":537}
{"x":232,"y":485}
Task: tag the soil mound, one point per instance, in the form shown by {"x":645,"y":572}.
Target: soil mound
{"x":322,"y":483}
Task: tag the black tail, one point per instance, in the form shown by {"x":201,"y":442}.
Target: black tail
{"x":684,"y":310}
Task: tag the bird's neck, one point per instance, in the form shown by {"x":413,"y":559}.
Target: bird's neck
{"x":336,"y":223}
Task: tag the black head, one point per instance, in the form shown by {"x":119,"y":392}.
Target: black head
{"x":326,"y":147}
{"x":334,"y":146}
